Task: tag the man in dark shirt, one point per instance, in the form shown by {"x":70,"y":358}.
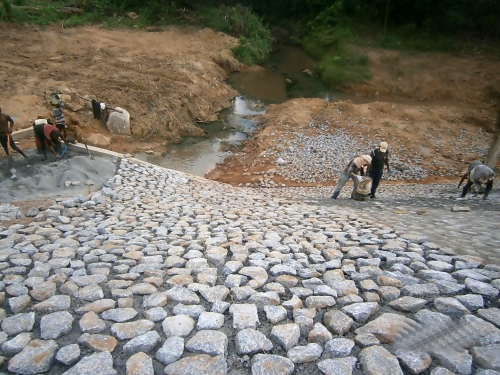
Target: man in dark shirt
{"x":6,"y":134}
{"x":380,"y":157}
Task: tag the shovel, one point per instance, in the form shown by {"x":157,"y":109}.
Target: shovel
{"x":63,"y":152}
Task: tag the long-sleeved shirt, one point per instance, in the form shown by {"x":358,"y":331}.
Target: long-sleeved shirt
{"x":352,"y":168}
{"x":479,"y":171}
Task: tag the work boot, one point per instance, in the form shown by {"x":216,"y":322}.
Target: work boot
{"x":335,"y":194}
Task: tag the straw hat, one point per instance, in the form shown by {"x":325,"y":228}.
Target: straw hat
{"x":367,"y":159}
{"x":383,"y":146}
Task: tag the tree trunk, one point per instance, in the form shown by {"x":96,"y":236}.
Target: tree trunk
{"x":494,"y":151}
{"x":386,"y":17}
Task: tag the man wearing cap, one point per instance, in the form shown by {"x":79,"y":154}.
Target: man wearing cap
{"x":478,"y":174}
{"x":46,"y":135}
{"x":380,"y":157}
{"x":6,"y":134}
{"x":355,"y":169}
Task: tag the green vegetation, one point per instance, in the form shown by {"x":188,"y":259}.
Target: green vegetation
{"x":329,"y":30}
{"x":255,"y":40}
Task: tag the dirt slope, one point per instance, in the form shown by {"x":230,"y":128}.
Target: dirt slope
{"x":442,"y":140}
{"x":431,"y":77}
{"x":166,"y":80}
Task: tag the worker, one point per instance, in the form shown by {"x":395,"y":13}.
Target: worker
{"x":6,"y":134}
{"x":58,"y":115}
{"x":380,"y":158}
{"x":354,"y":170}
{"x":478,"y":175}
{"x":46,"y":135}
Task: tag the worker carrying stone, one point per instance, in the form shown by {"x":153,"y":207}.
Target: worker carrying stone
{"x":478,"y":175}
{"x":354,"y":170}
{"x":46,"y":134}
{"x":6,"y":134}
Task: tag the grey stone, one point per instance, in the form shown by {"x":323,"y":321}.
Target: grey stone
{"x":491,"y":315}
{"x":208,"y":342}
{"x":339,"y":347}
{"x":156,"y":314}
{"x":179,"y":325}
{"x":119,"y":315}
{"x":264,"y":299}
{"x":89,"y":293}
{"x":143,"y":343}
{"x":485,"y":332}
{"x":414,"y":362}
{"x":487,"y":356}
{"x":287,"y":335}
{"x":94,"y":364}
{"x":471,"y":301}
{"x":304,"y":354}
{"x":376,"y":360}
{"x":361,"y":311}
{"x":139,"y":364}
{"x":269,"y":364}
{"x":320,"y":302}
{"x":408,"y":304}
{"x":479,"y":287}
{"x":53,"y":304}
{"x":389,"y":293}
{"x":171,"y":351}
{"x":448,"y":287}
{"x":154,"y":300}
{"x":19,"y":304}
{"x":18,"y":323}
{"x":251,"y":341}
{"x":200,"y":364}
{"x":457,"y":362}
{"x":18,"y":343}
{"x":129,"y":330}
{"x":275,"y":314}
{"x":441,"y":371}
{"x":194,"y":311}
{"x":182,"y":295}
{"x":340,"y":366}
{"x":90,"y":323}
{"x":363,"y":340}
{"x":337,"y":322}
{"x":319,"y":334}
{"x":55,"y":325}
{"x":35,"y":358}
{"x":428,"y":290}
{"x":244,"y":316}
{"x":210,"y":320}
{"x":68,"y":354}
{"x":450,"y":306}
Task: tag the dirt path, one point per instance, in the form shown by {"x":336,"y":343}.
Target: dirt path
{"x":167,"y":80}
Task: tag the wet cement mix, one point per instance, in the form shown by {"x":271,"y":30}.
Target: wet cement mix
{"x":160,"y":272}
{"x":30,"y":178}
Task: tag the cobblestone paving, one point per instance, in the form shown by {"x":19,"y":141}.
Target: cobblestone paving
{"x":423,"y":209}
{"x":164,"y":273}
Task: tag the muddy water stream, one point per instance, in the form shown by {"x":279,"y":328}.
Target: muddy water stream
{"x":282,"y":78}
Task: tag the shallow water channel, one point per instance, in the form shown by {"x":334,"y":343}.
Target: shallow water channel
{"x":198,"y":155}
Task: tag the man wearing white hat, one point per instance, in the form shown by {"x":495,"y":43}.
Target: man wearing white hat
{"x":355,"y":170}
{"x":380,"y":157}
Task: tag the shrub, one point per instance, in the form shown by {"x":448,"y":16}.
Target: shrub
{"x":255,"y":40}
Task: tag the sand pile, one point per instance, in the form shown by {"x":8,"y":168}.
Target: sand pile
{"x":29,"y":178}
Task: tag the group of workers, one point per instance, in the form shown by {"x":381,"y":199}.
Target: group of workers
{"x":477,"y":174}
{"x":46,"y":134}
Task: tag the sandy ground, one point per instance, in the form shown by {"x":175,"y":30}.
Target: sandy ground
{"x":31,"y":178}
{"x":435,"y":107}
{"x":167,"y":80}
{"x":440,"y":139}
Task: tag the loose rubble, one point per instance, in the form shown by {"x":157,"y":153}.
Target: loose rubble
{"x":188,"y":276}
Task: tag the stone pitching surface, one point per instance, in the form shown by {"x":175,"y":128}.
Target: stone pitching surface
{"x":165,"y":273}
